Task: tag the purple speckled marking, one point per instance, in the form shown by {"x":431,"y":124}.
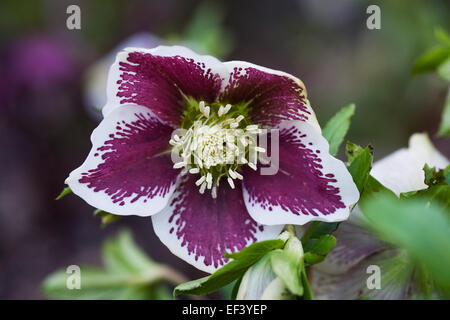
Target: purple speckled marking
{"x":208,"y":227}
{"x":274,"y":97}
{"x":130,"y":167}
{"x":300,"y":186}
{"x":158,"y":83}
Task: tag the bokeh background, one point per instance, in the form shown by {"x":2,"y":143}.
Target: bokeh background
{"x":51,"y":84}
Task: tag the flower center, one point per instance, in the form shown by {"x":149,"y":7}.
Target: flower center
{"x":215,"y":146}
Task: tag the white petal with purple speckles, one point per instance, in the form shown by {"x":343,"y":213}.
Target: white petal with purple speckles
{"x":127,"y":171}
{"x":158,"y":78}
{"x":309,"y":185}
{"x":199,"y":229}
{"x":275,"y":95}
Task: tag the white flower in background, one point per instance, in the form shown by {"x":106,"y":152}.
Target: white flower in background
{"x":402,"y":171}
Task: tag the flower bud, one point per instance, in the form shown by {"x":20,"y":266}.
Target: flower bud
{"x":260,"y":281}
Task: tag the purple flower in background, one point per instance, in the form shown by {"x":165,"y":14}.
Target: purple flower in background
{"x":204,"y":205}
{"x":41,"y":78}
{"x":40,"y":61}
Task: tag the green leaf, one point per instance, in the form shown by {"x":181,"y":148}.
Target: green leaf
{"x":205,"y":30}
{"x":106,"y":217}
{"x":287,"y":264}
{"x":318,"y":229}
{"x":442,"y":36}
{"x":128,"y":274}
{"x":318,"y":241}
{"x":337,"y":127}
{"x":360,"y":165}
{"x":431,"y":60}
{"x":98,"y":285}
{"x":438,"y":187}
{"x":64,"y":193}
{"x":233,"y":270}
{"x":122,"y":255}
{"x":413,"y":225}
{"x":434,"y":177}
{"x":374,"y":187}
{"x":444,"y":128}
{"x":352,"y":150}
{"x":437,"y":194}
{"x":95,"y":284}
{"x":227,"y":291}
{"x":317,"y":249}
{"x":444,"y":70}
{"x":235,"y":290}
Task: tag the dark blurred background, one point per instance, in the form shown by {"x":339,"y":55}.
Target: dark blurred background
{"x":49,"y":91}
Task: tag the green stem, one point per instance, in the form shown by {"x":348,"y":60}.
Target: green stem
{"x":307,"y":292}
{"x":290,"y":228}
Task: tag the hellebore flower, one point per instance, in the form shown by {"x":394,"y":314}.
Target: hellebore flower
{"x":343,"y":273}
{"x":169,"y":100}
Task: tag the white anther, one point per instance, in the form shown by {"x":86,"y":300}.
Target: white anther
{"x":227,"y":108}
{"x":209,"y":180}
{"x":199,"y":162}
{"x":232,"y":174}
{"x":179,"y":165}
{"x":230,"y":182}
{"x":259,"y":149}
{"x":244,"y":141}
{"x":202,"y":188}
{"x":214,"y":192}
{"x":200,"y":181}
{"x":201,"y":106}
{"x":238,"y":175}
{"x":234,"y":125}
{"x":252,"y":165}
{"x":239,"y":118}
{"x":221,"y":111}
{"x":194,"y":170}
{"x":206,"y":111}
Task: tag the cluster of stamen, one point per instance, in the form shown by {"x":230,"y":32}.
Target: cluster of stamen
{"x":215,"y":146}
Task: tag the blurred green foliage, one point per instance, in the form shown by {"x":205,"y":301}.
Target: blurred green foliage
{"x":438,"y":59}
{"x":422,"y":230}
{"x":128,"y":273}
